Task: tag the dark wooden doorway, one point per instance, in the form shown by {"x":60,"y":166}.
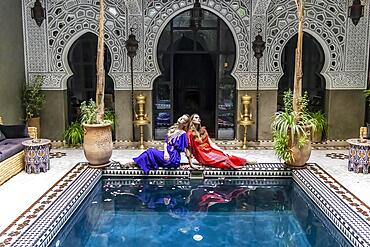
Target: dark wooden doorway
{"x":81,"y":86}
{"x":196,"y":76}
{"x":195,"y":87}
{"x":313,"y":82}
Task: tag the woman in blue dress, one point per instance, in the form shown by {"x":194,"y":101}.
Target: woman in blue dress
{"x":175,"y":143}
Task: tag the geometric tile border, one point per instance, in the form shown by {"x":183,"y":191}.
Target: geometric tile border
{"x":339,"y":156}
{"x":351,"y":200}
{"x":227,"y":145}
{"x":341,"y":213}
{"x":40,"y":223}
{"x":250,"y":171}
{"x":330,"y":227}
{"x":48,"y":214}
{"x":58,"y":154}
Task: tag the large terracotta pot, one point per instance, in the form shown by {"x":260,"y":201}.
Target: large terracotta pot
{"x":316,"y":136}
{"x":300,"y":155}
{"x":98,"y":144}
{"x":35,"y":122}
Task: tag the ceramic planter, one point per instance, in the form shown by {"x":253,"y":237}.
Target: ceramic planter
{"x":98,"y":144}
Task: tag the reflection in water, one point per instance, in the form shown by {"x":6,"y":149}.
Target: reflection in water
{"x":179,"y":213}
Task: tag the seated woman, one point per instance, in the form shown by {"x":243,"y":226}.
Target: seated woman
{"x":205,"y":151}
{"x":175,"y":143}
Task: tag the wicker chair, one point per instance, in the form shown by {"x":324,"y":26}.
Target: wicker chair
{"x":14,"y":164}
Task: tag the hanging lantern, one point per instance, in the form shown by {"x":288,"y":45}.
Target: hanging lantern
{"x":38,"y":13}
{"x":196,"y":16}
{"x":132,"y":44}
{"x":356,"y":11}
{"x":258,"y":46}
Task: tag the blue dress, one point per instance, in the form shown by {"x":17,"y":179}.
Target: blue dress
{"x":153,"y":158}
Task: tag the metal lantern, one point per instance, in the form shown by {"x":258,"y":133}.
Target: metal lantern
{"x":196,"y":16}
{"x":258,"y":46}
{"x":356,"y":11}
{"x":38,"y":13}
{"x":132,"y":44}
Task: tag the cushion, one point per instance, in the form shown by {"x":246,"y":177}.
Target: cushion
{"x":9,"y":147}
{"x":2,"y":136}
{"x":14,"y":131}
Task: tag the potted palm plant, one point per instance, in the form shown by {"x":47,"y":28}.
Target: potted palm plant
{"x":97,"y":143}
{"x":33,"y":100}
{"x":74,"y":134}
{"x":321,"y":124}
{"x":291,"y":129}
{"x":291,"y":137}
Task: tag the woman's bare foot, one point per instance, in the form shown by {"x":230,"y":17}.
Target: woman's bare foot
{"x":251,"y":161}
{"x":128,"y":165}
{"x":197,"y":167}
{"x":192,"y":166}
{"x":185,"y":167}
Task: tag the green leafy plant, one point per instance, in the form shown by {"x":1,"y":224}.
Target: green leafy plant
{"x":88,"y":112}
{"x":110,"y":117}
{"x":367,"y":95}
{"x":33,"y":98}
{"x":320,"y":121}
{"x":289,"y":128}
{"x":74,"y":134}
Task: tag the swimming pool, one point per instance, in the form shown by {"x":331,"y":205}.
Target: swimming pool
{"x":299,"y":206}
{"x":144,"y":212}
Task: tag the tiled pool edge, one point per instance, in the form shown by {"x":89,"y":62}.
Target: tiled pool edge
{"x":38,"y":225}
{"x":42,"y":228}
{"x":354,"y":227}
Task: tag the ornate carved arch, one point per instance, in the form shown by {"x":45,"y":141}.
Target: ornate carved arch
{"x":68,"y":72}
{"x":69,"y":20}
{"x":235,"y":13}
{"x":325,"y":22}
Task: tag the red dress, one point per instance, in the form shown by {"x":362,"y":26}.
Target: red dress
{"x":205,"y":154}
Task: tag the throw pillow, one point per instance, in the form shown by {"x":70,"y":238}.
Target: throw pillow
{"x":2,"y":136}
{"x":14,"y":131}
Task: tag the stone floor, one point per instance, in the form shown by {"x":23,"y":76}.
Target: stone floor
{"x":18,"y":194}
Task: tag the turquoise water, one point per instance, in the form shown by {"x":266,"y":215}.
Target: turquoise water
{"x":123,"y":212}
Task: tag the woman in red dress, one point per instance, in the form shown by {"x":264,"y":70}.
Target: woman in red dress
{"x":205,"y":151}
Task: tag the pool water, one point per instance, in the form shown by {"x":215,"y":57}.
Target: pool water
{"x":122,"y":212}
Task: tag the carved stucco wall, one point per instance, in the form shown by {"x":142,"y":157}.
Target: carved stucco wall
{"x":346,"y":47}
{"x":46,"y":47}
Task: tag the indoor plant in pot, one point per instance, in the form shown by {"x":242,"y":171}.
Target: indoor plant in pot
{"x":291,"y":137}
{"x":321,"y":124}
{"x":291,"y":128}
{"x":74,"y":134}
{"x":97,"y":143}
{"x":33,"y":99}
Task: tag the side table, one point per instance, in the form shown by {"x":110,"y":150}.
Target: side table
{"x":359,"y":154}
{"x":36,"y":155}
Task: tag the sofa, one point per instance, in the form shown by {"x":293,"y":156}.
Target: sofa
{"x":11,"y":149}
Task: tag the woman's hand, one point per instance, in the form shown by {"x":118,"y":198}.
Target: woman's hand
{"x":188,"y":153}
{"x":166,"y":156}
{"x":214,"y":146}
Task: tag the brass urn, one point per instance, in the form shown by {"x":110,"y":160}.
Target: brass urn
{"x":246,"y":117}
{"x":141,"y":119}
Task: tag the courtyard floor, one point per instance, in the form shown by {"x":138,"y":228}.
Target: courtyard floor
{"x":20,"y":192}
